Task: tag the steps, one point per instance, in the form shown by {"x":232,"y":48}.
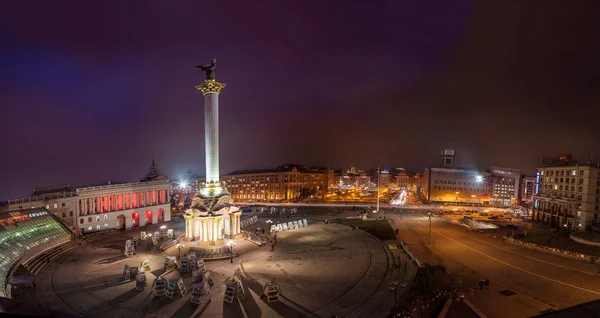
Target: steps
{"x":36,"y":263}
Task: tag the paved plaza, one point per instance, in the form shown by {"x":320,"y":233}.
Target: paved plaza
{"x":322,"y":270}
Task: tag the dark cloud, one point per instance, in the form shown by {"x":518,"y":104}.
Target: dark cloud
{"x":92,"y":91}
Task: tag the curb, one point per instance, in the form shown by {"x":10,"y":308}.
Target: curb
{"x":474,"y":309}
{"x":446,"y":307}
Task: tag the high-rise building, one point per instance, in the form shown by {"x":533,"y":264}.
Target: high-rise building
{"x":567,"y":194}
{"x":504,"y":186}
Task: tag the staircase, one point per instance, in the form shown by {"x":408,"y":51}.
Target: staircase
{"x":36,"y":263}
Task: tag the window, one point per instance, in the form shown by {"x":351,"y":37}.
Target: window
{"x":90,"y":220}
{"x":572,"y":180}
{"x":105,"y":217}
{"x":62,"y":205}
{"x":97,"y":218}
{"x":55,"y":205}
{"x":579,"y":197}
{"x":81,"y":221}
{"x":64,"y":215}
{"x":580,"y":189}
{"x":97,"y":227}
{"x":580,"y":181}
{"x":560,"y":187}
{"x":70,"y":213}
{"x":581,"y":173}
{"x":47,"y":206}
{"x":573,"y":172}
{"x":89,"y":228}
{"x":105,"y":226}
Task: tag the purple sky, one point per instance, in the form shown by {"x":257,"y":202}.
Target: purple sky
{"x":92,"y":91}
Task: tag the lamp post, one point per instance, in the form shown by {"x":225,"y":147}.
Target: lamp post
{"x":231,"y":245}
{"x":378,"y":178}
{"x":429,"y":239}
{"x":179,"y":246}
{"x":457,"y":193}
{"x":269,"y":222}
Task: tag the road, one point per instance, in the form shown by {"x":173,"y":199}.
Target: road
{"x":539,"y":280}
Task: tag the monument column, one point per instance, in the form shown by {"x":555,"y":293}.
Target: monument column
{"x":211,"y":89}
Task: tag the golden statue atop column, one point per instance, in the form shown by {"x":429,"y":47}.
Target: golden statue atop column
{"x":212,"y":216}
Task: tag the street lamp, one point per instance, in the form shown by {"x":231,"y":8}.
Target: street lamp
{"x":457,"y":193}
{"x":269,"y":222}
{"x":179,"y":246}
{"x":429,"y":239}
{"x":231,"y":245}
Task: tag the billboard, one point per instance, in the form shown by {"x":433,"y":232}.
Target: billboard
{"x":456,"y":185}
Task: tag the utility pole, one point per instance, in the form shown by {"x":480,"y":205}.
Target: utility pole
{"x":378,"y":179}
{"x":429,"y":240}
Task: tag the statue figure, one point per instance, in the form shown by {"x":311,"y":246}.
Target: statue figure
{"x":209,"y":69}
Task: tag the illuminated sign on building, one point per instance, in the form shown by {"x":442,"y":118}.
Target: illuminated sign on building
{"x":455,"y":185}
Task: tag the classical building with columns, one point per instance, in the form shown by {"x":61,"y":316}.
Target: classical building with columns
{"x":106,"y":206}
{"x":212,"y":216}
{"x":567,"y":194}
{"x":123,"y":205}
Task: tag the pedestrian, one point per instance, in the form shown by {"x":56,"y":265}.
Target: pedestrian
{"x":272,"y":247}
{"x":33,"y":285}
{"x":396,"y":232}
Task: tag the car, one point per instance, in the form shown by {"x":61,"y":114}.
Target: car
{"x":511,"y":226}
{"x":493,"y":217}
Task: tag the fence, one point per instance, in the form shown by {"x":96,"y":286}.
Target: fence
{"x":249,"y":221}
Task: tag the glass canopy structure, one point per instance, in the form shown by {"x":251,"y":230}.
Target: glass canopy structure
{"x":21,"y":233}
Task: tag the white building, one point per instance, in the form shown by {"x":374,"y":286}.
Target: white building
{"x":567,"y":194}
{"x":123,"y":206}
{"x":102,"y":207}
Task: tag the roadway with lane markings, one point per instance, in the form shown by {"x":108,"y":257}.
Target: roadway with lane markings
{"x":540,"y":281}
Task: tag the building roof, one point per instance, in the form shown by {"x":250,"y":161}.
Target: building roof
{"x":52,"y":189}
{"x":258,"y":171}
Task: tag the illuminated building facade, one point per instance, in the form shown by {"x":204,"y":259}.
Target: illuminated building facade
{"x":567,"y":194}
{"x":455,"y":186}
{"x":102,"y":207}
{"x":504,"y":185}
{"x":107,"y":206}
{"x":288,"y":182}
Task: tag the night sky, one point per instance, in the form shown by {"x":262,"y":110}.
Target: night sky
{"x":92,"y":91}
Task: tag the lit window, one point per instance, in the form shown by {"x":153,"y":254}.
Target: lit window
{"x":97,"y":218}
{"x":55,"y":205}
{"x":89,"y":228}
{"x":105,"y":226}
{"x":105,"y":217}
{"x":98,"y":227}
{"x":47,"y":206}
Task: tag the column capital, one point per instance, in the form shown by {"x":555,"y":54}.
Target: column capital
{"x":210,"y":86}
